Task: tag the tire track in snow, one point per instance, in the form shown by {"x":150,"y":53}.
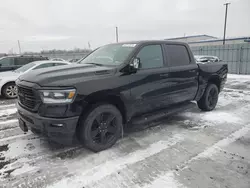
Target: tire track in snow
{"x":103,"y":170}
{"x":207,"y":153}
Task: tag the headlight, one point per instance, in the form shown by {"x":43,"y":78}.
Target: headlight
{"x":58,"y":96}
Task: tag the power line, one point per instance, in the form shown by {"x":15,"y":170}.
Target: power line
{"x":225,"y":24}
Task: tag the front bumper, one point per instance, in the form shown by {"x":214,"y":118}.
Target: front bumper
{"x":60,"y":130}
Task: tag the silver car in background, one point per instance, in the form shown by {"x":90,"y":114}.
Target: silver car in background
{"x":206,"y":59}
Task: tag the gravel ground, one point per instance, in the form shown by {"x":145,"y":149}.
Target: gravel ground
{"x":190,"y":149}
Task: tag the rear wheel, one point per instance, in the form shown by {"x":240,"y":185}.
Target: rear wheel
{"x":209,"y":99}
{"x":101,"y":127}
{"x":10,"y":91}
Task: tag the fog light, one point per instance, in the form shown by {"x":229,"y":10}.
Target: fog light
{"x":57,"y":125}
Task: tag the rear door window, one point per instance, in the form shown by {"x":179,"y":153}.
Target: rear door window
{"x":177,"y":55}
{"x":21,"y":60}
{"x":7,"y":61}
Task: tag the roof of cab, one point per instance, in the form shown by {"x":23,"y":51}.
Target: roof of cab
{"x":151,"y":41}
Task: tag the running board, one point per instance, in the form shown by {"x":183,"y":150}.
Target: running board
{"x":147,"y":118}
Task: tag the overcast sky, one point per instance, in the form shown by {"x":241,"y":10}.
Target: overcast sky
{"x":66,"y":24}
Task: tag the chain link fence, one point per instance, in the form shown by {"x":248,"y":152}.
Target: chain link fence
{"x":237,"y":56}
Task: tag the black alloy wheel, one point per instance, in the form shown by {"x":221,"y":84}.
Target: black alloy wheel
{"x":210,"y":98}
{"x":104,"y":128}
{"x":100,"y":127}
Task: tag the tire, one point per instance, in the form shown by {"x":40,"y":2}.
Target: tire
{"x":209,"y":99}
{"x":9,"y":91}
{"x":101,"y":127}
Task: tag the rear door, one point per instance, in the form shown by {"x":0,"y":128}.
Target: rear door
{"x":183,"y":74}
{"x":148,"y":84}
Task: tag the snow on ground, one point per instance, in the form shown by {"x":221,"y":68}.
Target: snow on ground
{"x":238,"y":76}
{"x":190,"y":149}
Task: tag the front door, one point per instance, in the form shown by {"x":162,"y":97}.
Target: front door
{"x":149,"y":83}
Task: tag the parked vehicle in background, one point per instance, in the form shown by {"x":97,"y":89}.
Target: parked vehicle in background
{"x":8,"y":63}
{"x":117,"y":84}
{"x":7,"y":79}
{"x":206,"y":59}
{"x":57,"y":59}
{"x":74,"y":60}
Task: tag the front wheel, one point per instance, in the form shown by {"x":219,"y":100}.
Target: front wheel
{"x":101,"y":127}
{"x":209,"y":99}
{"x":10,"y":91}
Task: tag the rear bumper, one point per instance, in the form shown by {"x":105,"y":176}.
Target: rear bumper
{"x":60,"y":130}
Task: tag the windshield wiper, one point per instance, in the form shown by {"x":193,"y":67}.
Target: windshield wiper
{"x":98,"y":64}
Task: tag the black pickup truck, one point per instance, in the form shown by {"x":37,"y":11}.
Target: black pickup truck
{"x":116,"y":85}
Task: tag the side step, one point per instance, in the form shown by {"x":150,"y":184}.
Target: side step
{"x":147,"y":118}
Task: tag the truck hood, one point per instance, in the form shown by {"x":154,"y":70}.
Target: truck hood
{"x":67,"y":75}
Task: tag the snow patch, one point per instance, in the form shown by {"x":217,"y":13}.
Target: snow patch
{"x":8,"y":112}
{"x":221,"y":117}
{"x":23,"y":147}
{"x":238,"y":76}
{"x":213,"y":117}
{"x":7,"y":106}
{"x":167,"y":181}
{"x":103,"y":170}
{"x":8,"y":121}
{"x":25,"y":168}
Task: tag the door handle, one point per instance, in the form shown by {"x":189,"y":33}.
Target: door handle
{"x":164,"y":75}
{"x":192,"y":71}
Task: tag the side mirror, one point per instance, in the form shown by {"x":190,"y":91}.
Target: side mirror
{"x":135,"y":63}
{"x":132,"y":67}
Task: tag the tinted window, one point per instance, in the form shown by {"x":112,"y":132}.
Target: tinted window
{"x":21,"y":60}
{"x":7,"y":61}
{"x":150,"y":57}
{"x":177,"y":55}
{"x":44,"y":66}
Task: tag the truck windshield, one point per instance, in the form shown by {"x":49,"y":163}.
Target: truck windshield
{"x":112,"y":54}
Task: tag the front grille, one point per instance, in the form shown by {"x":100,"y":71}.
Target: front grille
{"x":26,"y":97}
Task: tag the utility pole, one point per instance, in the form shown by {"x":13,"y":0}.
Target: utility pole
{"x":116,"y":34}
{"x":19,"y":47}
{"x":225,"y":24}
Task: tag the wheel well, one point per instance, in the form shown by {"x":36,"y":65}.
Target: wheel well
{"x":110,"y":99}
{"x":215,"y":80}
{"x":5,"y":85}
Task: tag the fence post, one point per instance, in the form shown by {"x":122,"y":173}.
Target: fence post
{"x":241,"y":59}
